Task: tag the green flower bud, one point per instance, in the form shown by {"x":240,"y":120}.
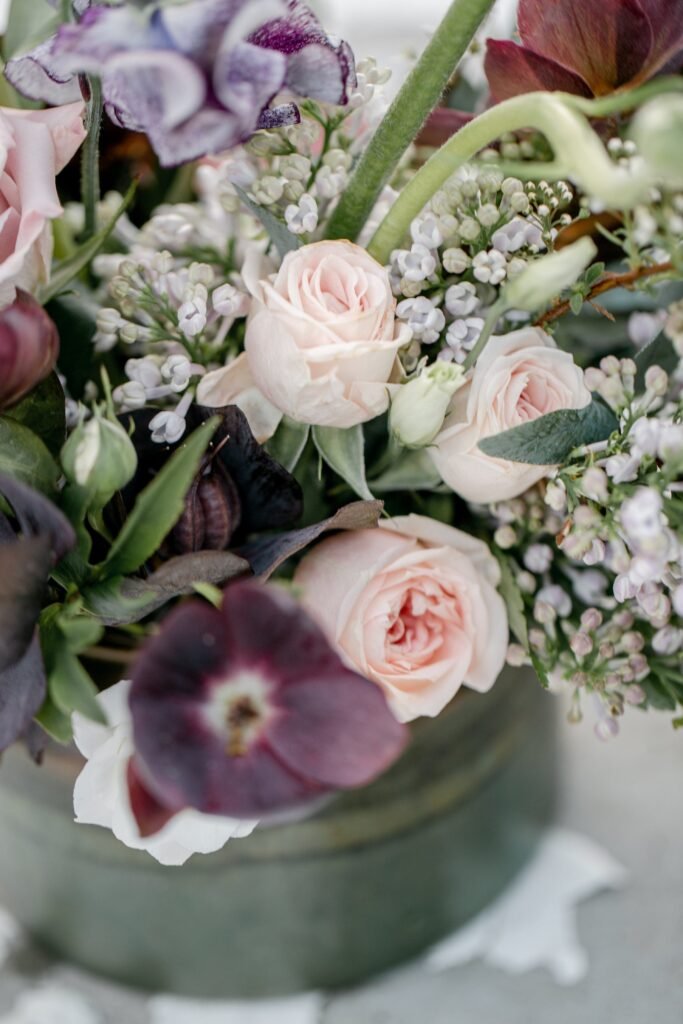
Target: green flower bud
{"x":99,"y":456}
{"x":419,"y":407}
{"x":544,"y":279}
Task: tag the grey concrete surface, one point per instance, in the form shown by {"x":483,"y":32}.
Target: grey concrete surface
{"x":629,"y":796}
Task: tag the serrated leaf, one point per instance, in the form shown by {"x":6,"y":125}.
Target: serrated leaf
{"x":344,"y":452}
{"x":550,"y":439}
{"x":288,"y":442}
{"x":64,"y":273}
{"x":279,"y":234}
{"x":71,"y":688}
{"x":44,"y":412}
{"x":24,"y":456}
{"x":158,"y":507}
{"x":514,"y":601}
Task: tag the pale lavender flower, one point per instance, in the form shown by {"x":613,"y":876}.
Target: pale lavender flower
{"x":197,"y":77}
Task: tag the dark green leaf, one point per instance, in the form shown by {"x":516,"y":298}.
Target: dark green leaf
{"x":658,"y":694}
{"x":279,"y":234}
{"x":659,"y":352}
{"x":576,"y":303}
{"x":550,"y":439}
{"x":71,"y":688}
{"x":24,"y":456}
{"x":80,"y":631}
{"x":158,"y":507}
{"x":287,"y":444}
{"x":55,"y":723}
{"x":64,"y":273}
{"x":344,"y":452}
{"x":44,"y":412}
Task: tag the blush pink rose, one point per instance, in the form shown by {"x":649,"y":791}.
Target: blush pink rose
{"x":518,"y":377}
{"x":234,"y":385}
{"x":411,"y":605}
{"x":322,"y":337}
{"x":34,"y":147}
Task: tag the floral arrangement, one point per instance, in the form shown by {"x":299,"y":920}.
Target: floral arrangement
{"x":342,"y":405}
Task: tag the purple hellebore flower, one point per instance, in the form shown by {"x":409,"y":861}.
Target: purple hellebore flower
{"x":246,"y":710}
{"x":587,"y":48}
{"x":196,"y":78}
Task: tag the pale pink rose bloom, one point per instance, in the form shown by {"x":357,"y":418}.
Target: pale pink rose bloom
{"x":322,"y":337}
{"x":413,"y":606}
{"x":34,"y":147}
{"x":234,"y":385}
{"x":518,"y":377}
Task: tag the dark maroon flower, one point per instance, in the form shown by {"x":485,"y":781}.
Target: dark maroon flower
{"x":586,"y":47}
{"x":247,"y":710}
{"x":29,"y":346}
{"x":196,"y":77}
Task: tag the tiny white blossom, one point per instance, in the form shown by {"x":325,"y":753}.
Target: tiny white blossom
{"x":416,"y":264}
{"x":192,"y":316}
{"x":229,"y":301}
{"x":330,"y":183}
{"x":424,"y":319}
{"x":538,"y":558}
{"x":517,"y":234}
{"x":461,"y":299}
{"x":129,"y":396}
{"x":456,"y":261}
{"x":167,"y":427}
{"x":463,"y":335}
{"x":489,"y":267}
{"x":302,"y":217}
{"x":145,"y":371}
{"x":178,"y":371}
{"x":426,"y":230}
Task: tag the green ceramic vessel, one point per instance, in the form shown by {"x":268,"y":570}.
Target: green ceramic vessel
{"x":369,"y":882}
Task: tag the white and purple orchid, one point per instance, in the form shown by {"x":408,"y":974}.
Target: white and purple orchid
{"x":197,"y":78}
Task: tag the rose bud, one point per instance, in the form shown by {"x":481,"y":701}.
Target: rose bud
{"x":100,"y":456}
{"x":419,"y":408}
{"x":29,"y":346}
{"x":246,"y":710}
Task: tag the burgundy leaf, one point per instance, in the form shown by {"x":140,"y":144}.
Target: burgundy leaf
{"x":267,"y":554}
{"x":513,"y":70}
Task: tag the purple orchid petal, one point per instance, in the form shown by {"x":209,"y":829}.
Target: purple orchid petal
{"x":247,"y":710}
{"x":607,"y":45}
{"x":319,"y":66}
{"x":36,"y":76}
{"x":153,"y":88}
{"x":513,"y":70}
{"x":246,"y":77}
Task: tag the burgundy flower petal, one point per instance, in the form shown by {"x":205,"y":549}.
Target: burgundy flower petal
{"x":150,"y":816}
{"x":607,"y":44}
{"x":29,"y":346}
{"x":666,"y":21}
{"x":512,"y":70}
{"x":247,"y":710}
{"x":441,"y":125}
{"x":318,"y":66}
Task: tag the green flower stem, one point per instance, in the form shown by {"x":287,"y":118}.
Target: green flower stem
{"x":579,"y":153}
{"x":417,"y":98}
{"x":90,"y":164}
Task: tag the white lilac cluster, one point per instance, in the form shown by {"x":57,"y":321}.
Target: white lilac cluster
{"x":177,"y":320}
{"x":298,"y":173}
{"x":597,"y":555}
{"x":477,"y":233}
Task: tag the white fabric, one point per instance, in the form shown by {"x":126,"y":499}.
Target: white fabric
{"x":304,"y":1009}
{"x":533,"y":924}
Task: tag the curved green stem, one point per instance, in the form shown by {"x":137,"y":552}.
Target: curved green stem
{"x":90,"y":161}
{"x":417,"y":98}
{"x":579,"y":153}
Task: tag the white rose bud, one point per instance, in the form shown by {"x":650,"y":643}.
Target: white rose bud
{"x":99,"y":456}
{"x":544,"y":279}
{"x":658,"y":133}
{"x":419,"y":408}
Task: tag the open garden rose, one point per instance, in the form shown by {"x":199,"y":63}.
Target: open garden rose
{"x":34,"y":147}
{"x":519,"y":377}
{"x":322,"y":338}
{"x":413,"y":606}
{"x":234,"y":385}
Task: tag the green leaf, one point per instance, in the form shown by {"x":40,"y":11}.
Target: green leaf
{"x":80,"y":631}
{"x":412,"y":471}
{"x":55,"y":723}
{"x":550,"y":439}
{"x":279,"y":234}
{"x":72,"y":689}
{"x":288,"y":442}
{"x":514,"y":601}
{"x":658,"y":694}
{"x":24,"y":456}
{"x":595,"y":271}
{"x":64,"y":273}
{"x":576,"y":303}
{"x":659,"y":352}
{"x":344,"y":452}
{"x":44,"y":412}
{"x":158,"y":507}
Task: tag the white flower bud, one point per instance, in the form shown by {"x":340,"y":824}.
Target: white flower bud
{"x":167,"y":427}
{"x":456,"y":261}
{"x":302,"y":217}
{"x":99,"y":456}
{"x":544,"y":279}
{"x":419,"y":407}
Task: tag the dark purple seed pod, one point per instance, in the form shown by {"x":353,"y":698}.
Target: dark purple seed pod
{"x":212,"y":513}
